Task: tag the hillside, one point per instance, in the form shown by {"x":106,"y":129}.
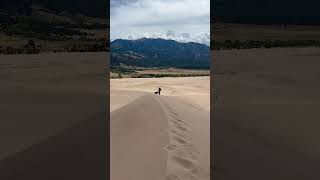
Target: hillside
{"x":53,"y":26}
{"x":247,"y":36}
{"x":148,"y":52}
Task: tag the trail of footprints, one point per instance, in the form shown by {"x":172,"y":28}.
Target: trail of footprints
{"x":182,"y":154}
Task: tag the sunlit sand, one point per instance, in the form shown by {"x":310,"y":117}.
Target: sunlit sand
{"x":160,"y":136}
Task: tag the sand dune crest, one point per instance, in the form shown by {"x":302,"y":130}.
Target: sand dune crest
{"x":152,"y":137}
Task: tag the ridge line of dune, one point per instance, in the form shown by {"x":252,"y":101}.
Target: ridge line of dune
{"x":182,"y":154}
{"x":138,"y":133}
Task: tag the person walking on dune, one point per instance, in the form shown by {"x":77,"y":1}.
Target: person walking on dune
{"x":158,"y":92}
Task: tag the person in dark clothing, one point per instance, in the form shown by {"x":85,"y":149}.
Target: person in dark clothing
{"x":159,"y":91}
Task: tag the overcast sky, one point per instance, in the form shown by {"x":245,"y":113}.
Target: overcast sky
{"x":182,"y":20}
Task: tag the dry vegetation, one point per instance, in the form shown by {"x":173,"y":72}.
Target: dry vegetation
{"x":52,"y":32}
{"x":157,"y":72}
{"x":246,"y":36}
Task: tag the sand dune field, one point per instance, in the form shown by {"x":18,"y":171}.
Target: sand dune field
{"x":160,"y":137}
{"x":266,"y":118}
{"x":53,"y":116}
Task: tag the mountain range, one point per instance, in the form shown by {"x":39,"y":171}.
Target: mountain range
{"x":149,"y":52}
{"x":53,"y":25}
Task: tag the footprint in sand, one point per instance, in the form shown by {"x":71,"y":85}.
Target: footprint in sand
{"x":181,"y":128}
{"x":180,"y":134}
{"x":180,"y":121}
{"x":184,"y":162}
{"x":179,"y":140}
{"x":172,"y":112}
{"x":177,"y":122}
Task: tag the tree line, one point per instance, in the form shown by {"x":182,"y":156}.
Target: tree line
{"x":32,"y":48}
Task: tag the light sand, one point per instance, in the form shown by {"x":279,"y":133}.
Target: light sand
{"x":160,"y":137}
{"x":266,"y":120}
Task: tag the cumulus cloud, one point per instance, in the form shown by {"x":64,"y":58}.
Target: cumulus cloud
{"x":203,"y":38}
{"x":183,"y":20}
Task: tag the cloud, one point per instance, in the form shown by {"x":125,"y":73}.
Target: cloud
{"x":203,"y":38}
{"x":135,"y":18}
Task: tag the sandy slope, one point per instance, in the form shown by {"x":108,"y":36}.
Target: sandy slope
{"x":160,"y":137}
{"x":53,"y":116}
{"x":266,"y":120}
{"x":192,"y":90}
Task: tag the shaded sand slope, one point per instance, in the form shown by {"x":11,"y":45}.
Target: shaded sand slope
{"x":159,"y":137}
{"x":53,"y":116}
{"x":119,"y":98}
{"x":266,"y":123}
{"x":138,"y":135}
{"x":76,"y":153}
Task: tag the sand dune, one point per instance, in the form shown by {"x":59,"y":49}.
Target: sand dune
{"x":159,"y":137}
{"x":192,"y":90}
{"x":266,"y":120}
{"x":53,"y":117}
